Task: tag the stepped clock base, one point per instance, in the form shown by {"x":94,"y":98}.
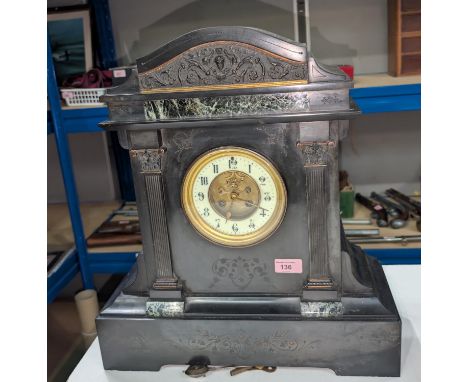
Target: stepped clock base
{"x":344,"y":339}
{"x":347,"y":347}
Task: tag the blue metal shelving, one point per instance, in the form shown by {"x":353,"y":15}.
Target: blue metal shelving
{"x":67,"y":172}
{"x":60,"y":123}
{"x":84,"y":120}
{"x":68,"y":121}
{"x":80,"y":120}
{"x":392,"y":256}
{"x":62,"y":273}
{"x":382,"y":99}
{"x":69,"y":267}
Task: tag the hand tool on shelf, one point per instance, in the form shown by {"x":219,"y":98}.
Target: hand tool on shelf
{"x":397,"y":195}
{"x":362,"y":232}
{"x":400,"y":214}
{"x":413,"y":206}
{"x":116,"y":232}
{"x":120,"y":226}
{"x":126,"y":212}
{"x":378,"y":210}
{"x":403,"y":240}
{"x":106,"y":239}
{"x":356,"y":221}
{"x":393,"y":209}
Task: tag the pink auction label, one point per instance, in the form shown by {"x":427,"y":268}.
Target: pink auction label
{"x":288,"y":265}
{"x":119,"y":73}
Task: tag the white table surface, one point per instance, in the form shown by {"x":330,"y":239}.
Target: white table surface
{"x":405,"y":283}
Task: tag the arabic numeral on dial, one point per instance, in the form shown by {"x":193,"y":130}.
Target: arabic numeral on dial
{"x":232,"y":163}
{"x":206,"y":212}
{"x":201,"y":196}
{"x":251,"y":224}
{"x":215,"y":169}
{"x":267,"y":197}
{"x":262,"y":179}
{"x":218,"y":223}
{"x":235,"y":228}
{"x":204,"y":180}
{"x":250,"y":168}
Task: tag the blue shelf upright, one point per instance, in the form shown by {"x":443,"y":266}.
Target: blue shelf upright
{"x":67,"y":172}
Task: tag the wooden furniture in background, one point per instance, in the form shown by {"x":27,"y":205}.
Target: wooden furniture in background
{"x":404,"y":37}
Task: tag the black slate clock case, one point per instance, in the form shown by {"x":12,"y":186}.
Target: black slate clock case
{"x":188,"y":299}
{"x":201,"y":273}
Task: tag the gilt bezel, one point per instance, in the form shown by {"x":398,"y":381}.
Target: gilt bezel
{"x":211,"y":234}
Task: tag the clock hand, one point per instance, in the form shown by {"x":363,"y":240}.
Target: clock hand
{"x":251,"y":203}
{"x":229,"y":213}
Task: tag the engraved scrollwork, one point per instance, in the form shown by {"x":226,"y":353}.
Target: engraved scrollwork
{"x":123,"y":111}
{"x":240,"y":271}
{"x":330,"y":99}
{"x":120,"y":109}
{"x":274,"y":135}
{"x":139,"y":342}
{"x":183,"y":141}
{"x":222,"y":63}
{"x":244,"y":344}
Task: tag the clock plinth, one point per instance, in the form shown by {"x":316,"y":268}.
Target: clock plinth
{"x":233,"y":136}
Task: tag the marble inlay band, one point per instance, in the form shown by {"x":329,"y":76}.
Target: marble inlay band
{"x":321,"y":309}
{"x":161,"y":309}
{"x":227,"y":106}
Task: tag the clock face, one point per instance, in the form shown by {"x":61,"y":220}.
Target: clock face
{"x":234,"y":196}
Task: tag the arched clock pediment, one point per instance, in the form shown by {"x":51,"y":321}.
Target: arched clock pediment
{"x":200,"y":74}
{"x":266,"y":41}
{"x":223,"y":58}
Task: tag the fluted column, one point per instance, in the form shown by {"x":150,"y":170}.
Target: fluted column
{"x":150,"y":164}
{"x":315,"y":157}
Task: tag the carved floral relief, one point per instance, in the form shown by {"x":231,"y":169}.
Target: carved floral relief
{"x":223,"y":63}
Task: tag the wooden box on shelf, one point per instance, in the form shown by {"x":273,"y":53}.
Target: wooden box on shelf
{"x":404,"y":37}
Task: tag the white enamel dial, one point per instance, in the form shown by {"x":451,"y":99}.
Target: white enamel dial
{"x":234,"y":196}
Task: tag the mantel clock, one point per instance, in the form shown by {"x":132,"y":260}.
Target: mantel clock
{"x":233,"y":135}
